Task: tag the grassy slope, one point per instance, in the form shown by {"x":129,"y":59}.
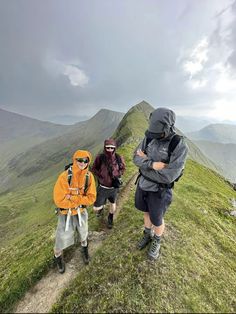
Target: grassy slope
{"x":27,"y":230}
{"x":27,"y":227}
{"x":195,"y":272}
{"x":27,"y":235}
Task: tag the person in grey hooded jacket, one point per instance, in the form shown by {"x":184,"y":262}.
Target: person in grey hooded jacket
{"x":158,"y":171}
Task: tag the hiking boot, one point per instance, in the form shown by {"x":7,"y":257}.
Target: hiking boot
{"x":154,"y":249}
{"x":146,"y":239}
{"x":99,"y":212}
{"x":60,"y":264}
{"x":85,"y":255}
{"x":110,"y":221}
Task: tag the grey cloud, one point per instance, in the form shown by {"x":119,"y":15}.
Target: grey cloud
{"x":128,"y":50}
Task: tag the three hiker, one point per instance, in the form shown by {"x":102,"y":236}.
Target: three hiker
{"x":108,"y":167}
{"x":74,"y":190}
{"x":160,"y":157}
{"x":159,"y":168}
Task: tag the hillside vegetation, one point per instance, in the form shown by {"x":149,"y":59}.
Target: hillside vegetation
{"x":197,"y":257}
{"x":196,"y":269}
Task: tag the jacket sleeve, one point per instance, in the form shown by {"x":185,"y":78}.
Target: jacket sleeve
{"x":142,"y":163}
{"x":174,"y":168}
{"x":61,"y":189}
{"x":90,"y":196}
{"x":96,"y":166}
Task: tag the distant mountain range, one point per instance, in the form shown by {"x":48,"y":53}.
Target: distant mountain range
{"x":219,"y":133}
{"x":67,"y":119}
{"x":223,"y":155}
{"x":18,"y":133}
{"x":197,"y":250}
{"x":38,"y":148}
{"x":191,"y":124}
{"x":14,"y":126}
{"x":40,"y":160}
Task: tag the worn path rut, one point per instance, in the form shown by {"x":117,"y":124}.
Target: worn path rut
{"x":41,"y":297}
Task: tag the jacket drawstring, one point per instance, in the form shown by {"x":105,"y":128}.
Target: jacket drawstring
{"x":79,"y":216}
{"x":68,"y":219}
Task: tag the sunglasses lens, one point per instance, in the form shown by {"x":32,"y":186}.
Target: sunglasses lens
{"x":109,"y":148}
{"x":85,"y":160}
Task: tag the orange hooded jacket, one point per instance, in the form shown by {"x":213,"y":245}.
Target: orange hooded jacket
{"x":76,"y":188}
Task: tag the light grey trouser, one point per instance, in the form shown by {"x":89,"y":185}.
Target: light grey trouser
{"x":64,"y":238}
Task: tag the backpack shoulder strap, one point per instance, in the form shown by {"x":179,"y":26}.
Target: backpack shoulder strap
{"x":86,"y":182}
{"x":173,"y":143}
{"x":69,"y":173}
{"x":146,"y":141}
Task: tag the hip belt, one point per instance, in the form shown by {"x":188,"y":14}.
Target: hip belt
{"x":73,"y":211}
{"x":107,"y":187}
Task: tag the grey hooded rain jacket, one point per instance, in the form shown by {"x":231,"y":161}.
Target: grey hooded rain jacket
{"x":161,"y":120}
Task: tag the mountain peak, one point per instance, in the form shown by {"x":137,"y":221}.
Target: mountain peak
{"x":143,"y":106}
{"x":104,"y":112}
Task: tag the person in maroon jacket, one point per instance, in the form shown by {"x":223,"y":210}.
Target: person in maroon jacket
{"x":108,"y":167}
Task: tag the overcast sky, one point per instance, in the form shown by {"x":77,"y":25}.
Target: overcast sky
{"x":76,"y":57}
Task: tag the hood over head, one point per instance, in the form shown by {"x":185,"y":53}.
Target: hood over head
{"x":161,"y":120}
{"x":82,"y":154}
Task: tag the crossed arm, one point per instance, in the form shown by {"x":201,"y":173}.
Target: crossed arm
{"x":156,"y":165}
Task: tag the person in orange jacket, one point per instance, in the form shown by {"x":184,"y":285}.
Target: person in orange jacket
{"x":74,"y":190}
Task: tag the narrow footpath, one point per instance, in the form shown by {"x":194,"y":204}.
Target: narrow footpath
{"x":41,"y":297}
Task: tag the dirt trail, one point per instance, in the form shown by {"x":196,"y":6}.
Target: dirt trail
{"x":41,"y":297}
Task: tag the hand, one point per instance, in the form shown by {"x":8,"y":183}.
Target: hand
{"x":158,"y":165}
{"x":68,"y":196}
{"x":140,"y":153}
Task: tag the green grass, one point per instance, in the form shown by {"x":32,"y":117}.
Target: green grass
{"x":27,"y":231}
{"x":196,"y":269}
{"x":195,"y":272}
{"x":27,"y":228}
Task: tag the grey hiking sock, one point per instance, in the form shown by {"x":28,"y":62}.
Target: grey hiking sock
{"x":147,"y":230}
{"x":145,"y":240}
{"x":157,"y":237}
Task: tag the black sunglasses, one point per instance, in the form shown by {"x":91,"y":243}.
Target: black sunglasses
{"x":85,"y":160}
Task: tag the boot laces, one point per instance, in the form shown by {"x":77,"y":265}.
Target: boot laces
{"x":155,"y":245}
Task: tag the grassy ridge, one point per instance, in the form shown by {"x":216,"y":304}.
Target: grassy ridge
{"x":122,"y":278}
{"x":195,"y":272}
{"x":27,"y":231}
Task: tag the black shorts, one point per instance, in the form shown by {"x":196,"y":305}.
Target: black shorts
{"x":155,"y":203}
{"x":104,"y":194}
